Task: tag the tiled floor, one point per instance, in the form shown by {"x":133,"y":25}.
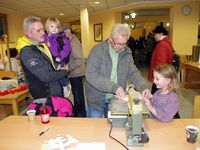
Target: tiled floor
{"x":186,"y":97}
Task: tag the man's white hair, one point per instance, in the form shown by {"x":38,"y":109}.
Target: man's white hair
{"x":28,"y":21}
{"x":121,"y":29}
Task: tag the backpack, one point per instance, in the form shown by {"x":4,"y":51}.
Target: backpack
{"x":176,"y":62}
{"x":56,"y":106}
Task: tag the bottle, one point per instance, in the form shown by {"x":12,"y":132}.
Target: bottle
{"x":45,"y":117}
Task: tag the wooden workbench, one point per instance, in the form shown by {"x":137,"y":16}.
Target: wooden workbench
{"x":17,"y":132}
{"x":14,"y":99}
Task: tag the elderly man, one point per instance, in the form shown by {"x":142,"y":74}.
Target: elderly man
{"x":37,"y":62}
{"x":110,"y":65}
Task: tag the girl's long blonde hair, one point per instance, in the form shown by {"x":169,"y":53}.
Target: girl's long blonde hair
{"x":168,"y":71}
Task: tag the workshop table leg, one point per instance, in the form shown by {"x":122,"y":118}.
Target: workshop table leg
{"x":15,"y":107}
{"x":7,"y":110}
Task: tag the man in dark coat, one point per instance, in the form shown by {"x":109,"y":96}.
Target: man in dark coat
{"x":37,"y":62}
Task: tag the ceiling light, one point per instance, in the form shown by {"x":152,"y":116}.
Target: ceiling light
{"x":132,"y":25}
{"x":126,"y":17}
{"x":167,"y":24}
{"x":61,"y":14}
{"x":133,"y":15}
{"x":97,"y":2}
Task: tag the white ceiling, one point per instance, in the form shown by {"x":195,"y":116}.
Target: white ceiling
{"x":70,"y":8}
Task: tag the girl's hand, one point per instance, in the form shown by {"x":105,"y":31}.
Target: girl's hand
{"x":57,"y":59}
{"x":147,"y":94}
{"x":147,"y":102}
{"x":149,"y":106}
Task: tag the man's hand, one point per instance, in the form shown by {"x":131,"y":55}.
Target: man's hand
{"x":147,"y":94}
{"x":64,"y":67}
{"x":120,"y":93}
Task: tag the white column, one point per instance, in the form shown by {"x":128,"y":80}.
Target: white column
{"x":84,"y":30}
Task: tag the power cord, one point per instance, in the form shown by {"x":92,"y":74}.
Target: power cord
{"x":115,"y":138}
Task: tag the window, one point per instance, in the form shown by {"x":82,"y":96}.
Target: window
{"x":3,"y":24}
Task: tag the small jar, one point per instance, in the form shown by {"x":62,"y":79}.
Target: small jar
{"x":45,"y":117}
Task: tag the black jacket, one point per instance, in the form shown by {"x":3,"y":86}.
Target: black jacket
{"x":40,"y":75}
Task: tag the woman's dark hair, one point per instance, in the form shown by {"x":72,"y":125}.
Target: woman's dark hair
{"x":13,"y":52}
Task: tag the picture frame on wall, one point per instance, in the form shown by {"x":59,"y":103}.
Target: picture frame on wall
{"x":98,"y":32}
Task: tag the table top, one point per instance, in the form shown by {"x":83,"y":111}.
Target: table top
{"x":18,"y":133}
{"x":192,"y":64}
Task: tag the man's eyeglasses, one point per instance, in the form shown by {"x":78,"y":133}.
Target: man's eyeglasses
{"x":119,"y":44}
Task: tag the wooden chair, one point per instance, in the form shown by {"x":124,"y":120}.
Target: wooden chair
{"x":8,"y":74}
{"x":196,"y":112}
{"x":183,"y":58}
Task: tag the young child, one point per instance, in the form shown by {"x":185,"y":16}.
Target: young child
{"x":13,"y":60}
{"x":60,"y":49}
{"x":164,"y":103}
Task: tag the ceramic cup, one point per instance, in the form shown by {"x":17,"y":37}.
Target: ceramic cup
{"x":192,"y":134}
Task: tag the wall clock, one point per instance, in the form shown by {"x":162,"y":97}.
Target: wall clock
{"x":186,"y":10}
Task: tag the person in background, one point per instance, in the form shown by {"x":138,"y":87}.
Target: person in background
{"x":77,"y":71}
{"x":149,"y":47}
{"x":109,"y":66}
{"x":13,"y":60}
{"x":132,"y":45}
{"x":60,"y":49}
{"x":162,"y":54}
{"x":37,"y":63}
{"x":141,"y":49}
{"x":164,"y":103}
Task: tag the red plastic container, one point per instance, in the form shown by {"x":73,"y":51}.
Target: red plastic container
{"x":44,"y":113}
